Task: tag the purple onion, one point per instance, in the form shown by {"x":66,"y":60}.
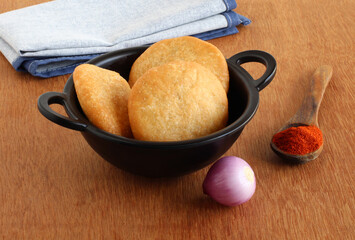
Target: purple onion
{"x":230,"y":181}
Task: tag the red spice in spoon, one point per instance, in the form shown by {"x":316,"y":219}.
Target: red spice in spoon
{"x":299,"y":140}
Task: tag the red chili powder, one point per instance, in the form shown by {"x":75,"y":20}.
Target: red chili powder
{"x":299,"y":140}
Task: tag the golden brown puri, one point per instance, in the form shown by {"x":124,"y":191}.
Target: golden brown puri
{"x":182,"y":48}
{"x":177,"y":101}
{"x":103,"y":96}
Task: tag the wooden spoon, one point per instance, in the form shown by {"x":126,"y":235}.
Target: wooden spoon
{"x":307,"y":114}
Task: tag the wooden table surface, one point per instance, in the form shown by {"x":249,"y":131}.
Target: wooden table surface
{"x":54,"y":186}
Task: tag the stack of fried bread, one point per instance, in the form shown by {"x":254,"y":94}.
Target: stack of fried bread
{"x":177,"y":90}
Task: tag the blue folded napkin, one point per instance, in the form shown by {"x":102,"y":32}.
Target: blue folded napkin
{"x":52,"y":38}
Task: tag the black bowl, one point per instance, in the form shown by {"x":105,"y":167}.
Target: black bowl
{"x":164,"y":159}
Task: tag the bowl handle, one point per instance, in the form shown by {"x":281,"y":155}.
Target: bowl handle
{"x":256,"y":56}
{"x":44,"y":102}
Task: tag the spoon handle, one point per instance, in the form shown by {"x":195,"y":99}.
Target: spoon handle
{"x":308,"y":112}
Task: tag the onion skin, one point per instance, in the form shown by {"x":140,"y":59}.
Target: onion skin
{"x":230,"y":181}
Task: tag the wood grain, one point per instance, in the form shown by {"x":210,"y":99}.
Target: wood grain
{"x":54,"y":186}
{"x":308,"y":111}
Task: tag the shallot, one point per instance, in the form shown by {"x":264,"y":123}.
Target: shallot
{"x":230,"y":181}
